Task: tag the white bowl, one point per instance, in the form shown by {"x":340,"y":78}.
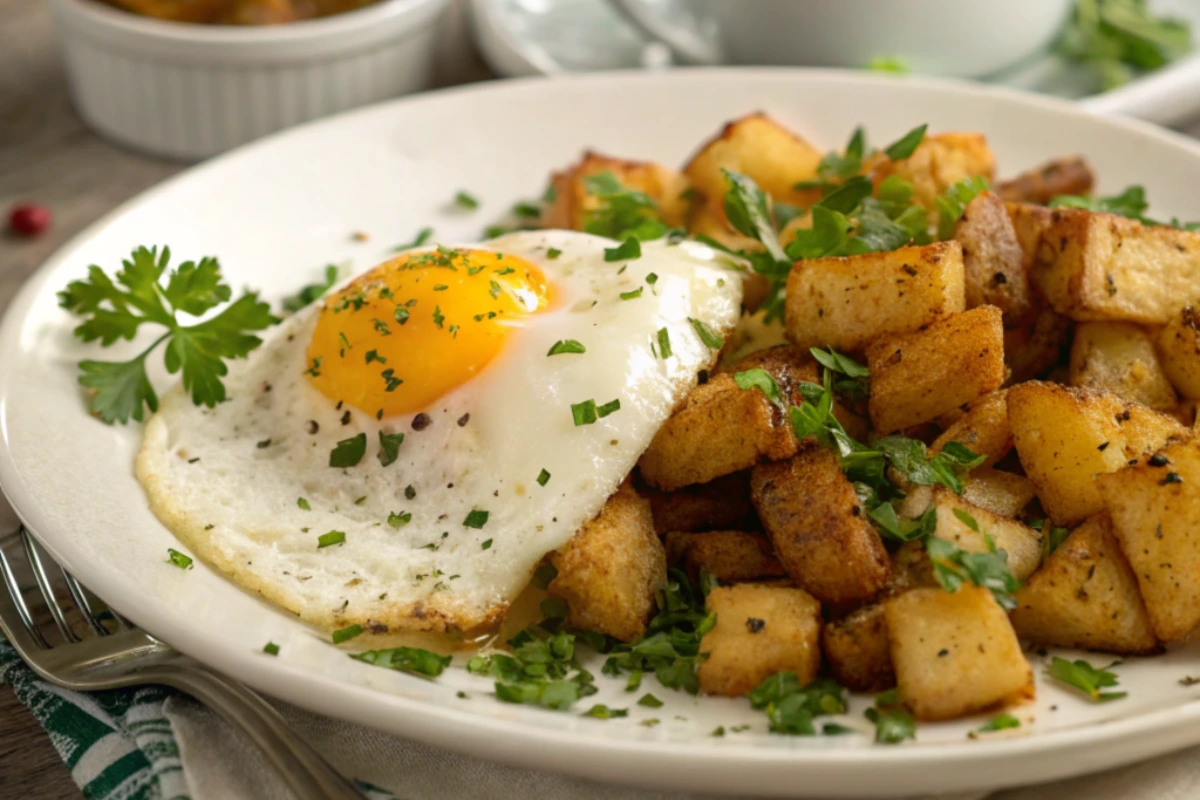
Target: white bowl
{"x":190,"y":91}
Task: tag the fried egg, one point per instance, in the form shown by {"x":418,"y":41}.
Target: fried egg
{"x":402,"y":455}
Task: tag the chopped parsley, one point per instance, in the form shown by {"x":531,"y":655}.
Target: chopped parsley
{"x":543,"y":478}
{"x":621,"y":212}
{"x":421,"y":238}
{"x":1089,"y":680}
{"x":1119,"y":40}
{"x":476,"y":519}
{"x":399,"y":520}
{"x":664,"y":343}
{"x":438,"y":317}
{"x":999,"y":722}
{"x":303,"y":503}
{"x":541,"y":671}
{"x":892,"y":723}
{"x":553,"y":253}
{"x":1052,"y":537}
{"x":178,"y":559}
{"x":117,"y":309}
{"x":465,"y":201}
{"x":954,"y":201}
{"x":608,"y":408}
{"x":710,"y":339}
{"x":348,"y":452}
{"x":907,"y":144}
{"x":330,"y":539}
{"x":790,"y":707}
{"x":759,"y":379}
{"x":527,"y":210}
{"x":389,"y":447}
{"x":566,"y":346}
{"x":953,"y":566}
{"x":414,"y":660}
{"x":271,"y":649}
{"x":487,"y":545}
{"x":650,"y":701}
{"x":347,"y":633}
{"x":400,"y":315}
{"x":312,"y":292}
{"x":633,"y":294}
{"x":601,"y":711}
{"x":630,"y":248}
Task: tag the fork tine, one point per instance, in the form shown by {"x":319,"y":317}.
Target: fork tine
{"x":15,"y":619}
{"x":43,"y":582}
{"x":84,"y":601}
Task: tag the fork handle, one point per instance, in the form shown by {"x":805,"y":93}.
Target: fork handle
{"x":306,"y":772}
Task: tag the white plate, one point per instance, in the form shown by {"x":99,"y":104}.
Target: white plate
{"x":278,"y":210}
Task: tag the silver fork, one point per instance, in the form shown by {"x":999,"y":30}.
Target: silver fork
{"x":81,"y":644}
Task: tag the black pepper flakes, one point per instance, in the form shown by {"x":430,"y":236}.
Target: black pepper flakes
{"x":409,"y":492}
{"x":464,"y":419}
{"x":1171,"y":477}
{"x":312,"y":427}
{"x":1103,"y":447}
{"x":193,"y":460}
{"x":943,"y":653}
{"x":264,"y":444}
{"x":755,"y":625}
{"x":421,"y":421}
{"x":346,"y":418}
{"x":1157,"y":460}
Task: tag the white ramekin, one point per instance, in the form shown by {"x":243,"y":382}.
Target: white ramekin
{"x":190,"y":91}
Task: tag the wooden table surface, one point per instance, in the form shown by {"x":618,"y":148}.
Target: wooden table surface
{"x":49,"y":157}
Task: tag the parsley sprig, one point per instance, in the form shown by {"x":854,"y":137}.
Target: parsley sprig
{"x":1130,"y":203}
{"x":892,"y":723}
{"x":1120,"y":39}
{"x":953,"y":566}
{"x":1081,"y":675}
{"x":117,"y":309}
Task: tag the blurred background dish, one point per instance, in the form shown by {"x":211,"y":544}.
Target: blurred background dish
{"x":239,"y":12}
{"x":189,"y":91}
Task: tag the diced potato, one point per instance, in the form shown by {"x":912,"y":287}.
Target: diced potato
{"x":820,"y":532}
{"x":1066,"y":175}
{"x":1093,"y":266}
{"x":572,"y":203}
{"x":763,"y":150}
{"x":983,"y":428}
{"x":1038,"y":344}
{"x":1179,"y":352}
{"x":760,"y":630}
{"x":917,"y":376}
{"x":1003,"y":493}
{"x":729,"y":556}
{"x":1119,"y":357}
{"x":939,"y":162}
{"x":1085,"y":596}
{"x":722,"y":503}
{"x":857,"y":650}
{"x":954,"y":653}
{"x":1155,"y":508}
{"x":1022,"y":543}
{"x":610,"y":570}
{"x":1065,"y":437}
{"x":993,"y":261}
{"x":847,"y":302}
{"x":1030,"y":222}
{"x":911,"y":568}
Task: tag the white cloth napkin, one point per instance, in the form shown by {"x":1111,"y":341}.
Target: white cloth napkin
{"x":221,"y":764}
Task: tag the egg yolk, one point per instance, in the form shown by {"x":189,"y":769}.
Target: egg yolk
{"x":420,"y":325}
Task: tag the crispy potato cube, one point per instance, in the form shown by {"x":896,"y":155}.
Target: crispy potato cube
{"x":820,"y":533}
{"x":721,"y":428}
{"x":729,"y":556}
{"x":911,"y":568}
{"x":1066,"y":175}
{"x":846,"y":302}
{"x":1030,"y":222}
{"x":917,"y":376}
{"x":993,"y":261}
{"x":939,"y":162}
{"x":610,"y":570}
{"x":1093,"y":266}
{"x":1119,"y":357}
{"x":763,"y":150}
{"x":983,"y":427}
{"x":1065,"y":437}
{"x":1003,"y":493}
{"x":760,"y":630}
{"x":572,"y":203}
{"x":1036,"y":345}
{"x":722,"y":503}
{"x":1022,"y":543}
{"x":1179,"y":352}
{"x":1156,"y":518}
{"x":954,"y":653}
{"x":1085,"y":596}
{"x":857,"y":650}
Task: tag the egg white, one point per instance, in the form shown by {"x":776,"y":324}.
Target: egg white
{"x":228,"y":480}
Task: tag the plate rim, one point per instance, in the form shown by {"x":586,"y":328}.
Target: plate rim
{"x":688,"y":765}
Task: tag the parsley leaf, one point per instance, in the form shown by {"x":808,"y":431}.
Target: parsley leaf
{"x":907,"y":144}
{"x":389,"y":447}
{"x":1129,"y":203}
{"x":542,"y":670}
{"x":465,"y":201}
{"x":759,"y":379}
{"x":999,"y":722}
{"x":312,"y":292}
{"x":954,"y":201}
{"x":892,"y":724}
{"x":601,"y":711}
{"x":630,"y":248}
{"x":711,"y":340}
{"x":746,"y":208}
{"x":1051,"y":538}
{"x":179,"y":559}
{"x":476,"y":518}
{"x":790,"y":708}
{"x":566,"y":346}
{"x":953,"y":566}
{"x":406,"y":659}
{"x":349,"y":452}
{"x":621,"y":212}
{"x":1081,"y":675}
{"x":421,"y":238}
{"x":117,"y":309}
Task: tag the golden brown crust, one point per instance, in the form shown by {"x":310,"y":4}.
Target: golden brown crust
{"x":1043,"y":183}
{"x":729,"y":556}
{"x":993,"y":261}
{"x":857,"y":650}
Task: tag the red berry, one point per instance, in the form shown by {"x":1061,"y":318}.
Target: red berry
{"x":29,"y":219}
